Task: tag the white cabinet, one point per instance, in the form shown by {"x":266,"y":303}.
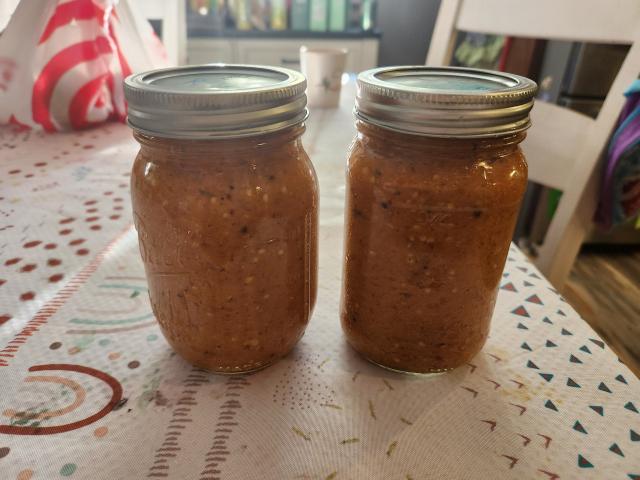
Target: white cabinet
{"x":282,"y":52}
{"x":7,"y":7}
{"x":218,"y":50}
{"x":276,"y":52}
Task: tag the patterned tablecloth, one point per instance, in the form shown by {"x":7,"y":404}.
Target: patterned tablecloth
{"x":89,"y":389}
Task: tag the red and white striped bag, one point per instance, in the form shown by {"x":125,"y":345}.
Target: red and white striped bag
{"x":62,"y":62}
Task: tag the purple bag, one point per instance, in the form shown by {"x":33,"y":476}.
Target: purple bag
{"x":620,"y":192}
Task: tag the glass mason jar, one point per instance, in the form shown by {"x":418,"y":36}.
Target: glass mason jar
{"x":434,"y":184}
{"x":225,"y":202}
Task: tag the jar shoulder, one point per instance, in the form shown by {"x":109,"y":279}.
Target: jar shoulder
{"x":451,"y":174}
{"x":284,"y":164}
{"x":254,"y":185}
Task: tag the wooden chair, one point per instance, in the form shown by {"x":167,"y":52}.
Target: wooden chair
{"x":563,"y":147}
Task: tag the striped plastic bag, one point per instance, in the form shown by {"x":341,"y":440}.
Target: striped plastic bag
{"x":62,"y":62}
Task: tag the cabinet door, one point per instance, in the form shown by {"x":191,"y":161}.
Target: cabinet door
{"x":276,"y":52}
{"x":201,"y":50}
{"x":363,"y":53}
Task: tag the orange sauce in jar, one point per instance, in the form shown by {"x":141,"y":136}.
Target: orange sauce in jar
{"x":428,"y":226}
{"x":227,"y":228}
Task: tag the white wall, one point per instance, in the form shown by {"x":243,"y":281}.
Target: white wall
{"x":6,"y":9}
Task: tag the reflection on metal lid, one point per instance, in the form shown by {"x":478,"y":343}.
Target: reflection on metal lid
{"x":445,"y":102}
{"x":214,"y":78}
{"x":215,"y":101}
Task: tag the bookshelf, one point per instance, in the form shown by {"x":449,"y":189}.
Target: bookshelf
{"x":272,"y":31}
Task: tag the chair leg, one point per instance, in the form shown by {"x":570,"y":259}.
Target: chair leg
{"x":571,"y":223}
{"x":444,"y":34}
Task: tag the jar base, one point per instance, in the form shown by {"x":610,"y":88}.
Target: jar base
{"x":231,"y":371}
{"x":238,"y":372}
{"x":431,"y":374}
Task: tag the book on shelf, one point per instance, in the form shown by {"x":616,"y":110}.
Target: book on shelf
{"x":318,"y":15}
{"x":337,"y":15}
{"x":299,"y":15}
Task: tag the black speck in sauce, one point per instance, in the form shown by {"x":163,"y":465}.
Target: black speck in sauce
{"x":377,"y":172}
{"x":244,"y":230}
{"x":271,"y":177}
{"x":205,"y":192}
{"x":384,"y":204}
{"x":477,"y":214}
{"x":358,"y":213}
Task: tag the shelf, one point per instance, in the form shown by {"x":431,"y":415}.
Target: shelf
{"x":349,"y":34}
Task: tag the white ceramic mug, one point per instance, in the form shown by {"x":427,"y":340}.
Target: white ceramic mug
{"x":323,"y":68}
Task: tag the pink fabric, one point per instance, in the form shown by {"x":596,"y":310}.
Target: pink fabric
{"x":62,"y":63}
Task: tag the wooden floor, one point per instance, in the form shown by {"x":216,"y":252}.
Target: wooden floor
{"x":604,"y":288}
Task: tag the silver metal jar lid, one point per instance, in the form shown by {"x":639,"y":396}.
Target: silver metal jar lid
{"x":445,"y":102}
{"x":215,"y":101}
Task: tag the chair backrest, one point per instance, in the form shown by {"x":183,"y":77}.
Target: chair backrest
{"x":556,"y":143}
{"x":602,"y":21}
{"x":563,"y":147}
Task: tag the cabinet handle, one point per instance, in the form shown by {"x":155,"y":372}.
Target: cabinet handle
{"x":290,"y":61}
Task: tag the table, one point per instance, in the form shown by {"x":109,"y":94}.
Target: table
{"x":90,"y":389}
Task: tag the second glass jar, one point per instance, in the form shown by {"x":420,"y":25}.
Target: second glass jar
{"x":434,"y":183}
